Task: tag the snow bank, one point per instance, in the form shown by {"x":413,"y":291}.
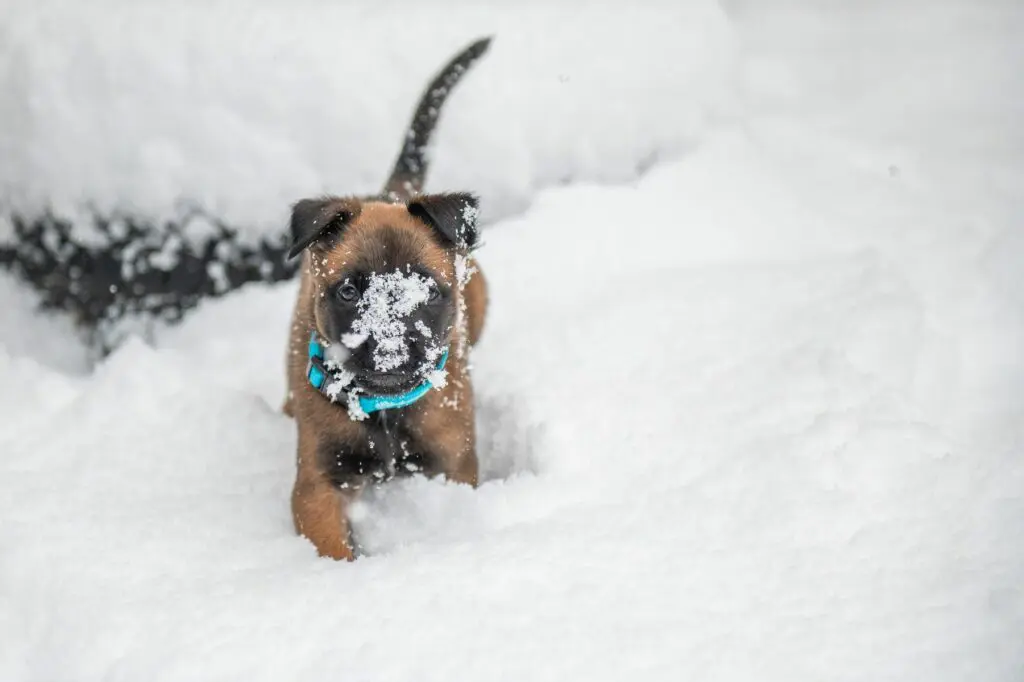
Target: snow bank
{"x":726,"y":469}
{"x":246,"y":108}
{"x":755,"y":415}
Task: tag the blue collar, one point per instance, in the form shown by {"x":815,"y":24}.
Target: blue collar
{"x":319,"y":377}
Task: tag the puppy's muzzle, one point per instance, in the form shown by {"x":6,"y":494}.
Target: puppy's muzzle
{"x":398,"y":379}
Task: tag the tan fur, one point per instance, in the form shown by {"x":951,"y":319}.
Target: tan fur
{"x":442,"y":421}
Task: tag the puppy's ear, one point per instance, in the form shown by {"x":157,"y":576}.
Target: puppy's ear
{"x":314,"y":218}
{"x":452,"y":215}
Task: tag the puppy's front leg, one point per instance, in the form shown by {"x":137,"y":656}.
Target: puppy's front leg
{"x":321,"y":515}
{"x":448,"y":434}
{"x":319,"y":509}
{"x":463,"y":469}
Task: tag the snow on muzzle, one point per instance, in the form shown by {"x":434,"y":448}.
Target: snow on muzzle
{"x":384,"y":312}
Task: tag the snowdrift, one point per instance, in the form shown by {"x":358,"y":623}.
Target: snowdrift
{"x":754,"y":414}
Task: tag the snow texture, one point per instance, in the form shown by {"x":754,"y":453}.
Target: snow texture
{"x":131,"y":105}
{"x":755,"y":414}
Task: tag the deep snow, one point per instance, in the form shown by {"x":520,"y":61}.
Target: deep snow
{"x":128,"y":105}
{"x":755,"y":414}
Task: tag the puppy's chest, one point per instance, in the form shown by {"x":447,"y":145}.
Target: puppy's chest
{"x":386,"y":449}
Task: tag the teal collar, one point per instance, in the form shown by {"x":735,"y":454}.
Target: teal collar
{"x":323,"y":380}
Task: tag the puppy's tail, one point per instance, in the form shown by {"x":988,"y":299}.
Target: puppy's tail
{"x":410,"y":168}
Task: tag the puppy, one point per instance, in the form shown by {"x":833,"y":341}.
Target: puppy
{"x":389,"y":304}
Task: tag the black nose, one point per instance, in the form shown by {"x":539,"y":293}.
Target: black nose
{"x":386,"y":373}
{"x":391,"y":357}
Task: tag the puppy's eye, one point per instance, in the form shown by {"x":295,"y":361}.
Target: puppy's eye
{"x":348,"y":292}
{"x":434,"y":294}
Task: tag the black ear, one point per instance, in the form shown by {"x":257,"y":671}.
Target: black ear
{"x":311,"y":218}
{"x":453,"y":215}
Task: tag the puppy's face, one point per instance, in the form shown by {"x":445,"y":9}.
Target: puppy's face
{"x":384,"y":279}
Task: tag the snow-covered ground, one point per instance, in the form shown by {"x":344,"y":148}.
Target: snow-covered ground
{"x":756,"y":413}
{"x":244,"y":107}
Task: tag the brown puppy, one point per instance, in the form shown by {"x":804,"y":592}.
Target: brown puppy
{"x":389,"y":303}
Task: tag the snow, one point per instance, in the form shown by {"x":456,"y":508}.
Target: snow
{"x":128,"y":105}
{"x":754,"y":413}
{"x":384,"y":306}
{"x":336,"y":354}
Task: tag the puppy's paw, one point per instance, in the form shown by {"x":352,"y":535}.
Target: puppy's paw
{"x":338,"y":551}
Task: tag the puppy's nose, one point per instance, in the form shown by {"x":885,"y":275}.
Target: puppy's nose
{"x":394,"y":354}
